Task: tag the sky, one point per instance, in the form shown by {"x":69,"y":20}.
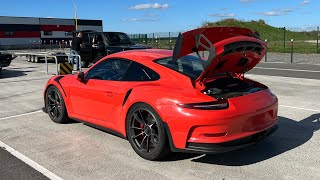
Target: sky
{"x":147,"y":16}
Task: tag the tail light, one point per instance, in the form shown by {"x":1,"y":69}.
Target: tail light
{"x":214,"y":105}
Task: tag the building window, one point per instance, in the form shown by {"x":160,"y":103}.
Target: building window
{"x":47,"y":33}
{"x":9,"y":33}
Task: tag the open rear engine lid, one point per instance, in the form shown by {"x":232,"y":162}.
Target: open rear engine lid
{"x":231,"y":49}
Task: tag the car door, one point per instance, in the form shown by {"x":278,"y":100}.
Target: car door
{"x":94,"y":97}
{"x":86,"y":49}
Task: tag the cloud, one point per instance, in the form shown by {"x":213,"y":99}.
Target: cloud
{"x":151,"y":15}
{"x":223,"y":15}
{"x":246,"y":1}
{"x":139,"y":19}
{"x":305,"y":2}
{"x":149,"y":6}
{"x":277,"y":12}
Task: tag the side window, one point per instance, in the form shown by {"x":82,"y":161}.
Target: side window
{"x":139,"y":72}
{"x":177,"y":66}
{"x":109,"y":69}
{"x":86,"y":38}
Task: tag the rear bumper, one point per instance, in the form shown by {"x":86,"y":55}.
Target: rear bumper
{"x":208,"y":148}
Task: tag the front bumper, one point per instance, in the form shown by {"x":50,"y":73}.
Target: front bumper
{"x":208,"y":148}
{"x":5,"y":60}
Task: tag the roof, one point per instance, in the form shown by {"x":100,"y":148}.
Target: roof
{"x":147,"y":54}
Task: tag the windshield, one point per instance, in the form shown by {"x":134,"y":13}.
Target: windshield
{"x":116,"y":38}
{"x":188,"y":65}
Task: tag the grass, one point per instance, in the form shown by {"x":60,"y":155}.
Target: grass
{"x":279,"y":39}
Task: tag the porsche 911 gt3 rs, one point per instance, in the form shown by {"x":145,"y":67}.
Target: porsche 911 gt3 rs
{"x":163,"y":101}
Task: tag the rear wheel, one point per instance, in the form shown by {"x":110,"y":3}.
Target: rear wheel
{"x":146,"y":133}
{"x":55,"y":106}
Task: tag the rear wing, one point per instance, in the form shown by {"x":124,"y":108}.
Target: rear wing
{"x":203,"y":39}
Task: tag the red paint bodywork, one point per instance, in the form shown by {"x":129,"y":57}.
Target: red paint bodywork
{"x":100,"y":102}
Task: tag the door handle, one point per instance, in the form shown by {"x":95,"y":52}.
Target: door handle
{"x":109,"y":93}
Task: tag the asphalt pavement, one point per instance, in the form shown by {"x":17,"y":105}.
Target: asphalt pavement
{"x":12,"y":168}
{"x":308,"y":71}
{"x":77,"y":151}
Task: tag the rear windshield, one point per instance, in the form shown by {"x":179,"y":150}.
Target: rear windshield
{"x":188,"y":65}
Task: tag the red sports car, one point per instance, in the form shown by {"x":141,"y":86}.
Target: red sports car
{"x":163,"y":101}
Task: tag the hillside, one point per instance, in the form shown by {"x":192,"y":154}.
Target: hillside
{"x":266,"y":31}
{"x":274,"y":35}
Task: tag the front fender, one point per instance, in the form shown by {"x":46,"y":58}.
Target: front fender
{"x":58,"y":82}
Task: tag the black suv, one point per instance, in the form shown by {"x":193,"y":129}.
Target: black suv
{"x":96,"y":45}
{"x":5,"y":60}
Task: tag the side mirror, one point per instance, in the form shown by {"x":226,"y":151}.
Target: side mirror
{"x":81,"y":77}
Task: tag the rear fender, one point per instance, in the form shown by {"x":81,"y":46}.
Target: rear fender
{"x":151,"y":97}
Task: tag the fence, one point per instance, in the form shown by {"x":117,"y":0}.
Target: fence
{"x":280,"y":40}
{"x":165,"y":40}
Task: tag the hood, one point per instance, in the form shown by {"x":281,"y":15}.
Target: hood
{"x":231,"y":49}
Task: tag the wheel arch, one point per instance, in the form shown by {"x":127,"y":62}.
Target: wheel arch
{"x":126,"y":113}
{"x":55,"y":84}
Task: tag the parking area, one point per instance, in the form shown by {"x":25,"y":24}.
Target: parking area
{"x":77,"y":151}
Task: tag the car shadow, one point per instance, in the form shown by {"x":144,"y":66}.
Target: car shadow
{"x":291,"y":134}
{"x":11,"y":73}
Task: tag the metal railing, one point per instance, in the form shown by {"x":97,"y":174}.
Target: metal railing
{"x":55,"y":57}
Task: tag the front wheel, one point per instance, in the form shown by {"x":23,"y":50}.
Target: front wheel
{"x":146,"y":133}
{"x":55,"y":105}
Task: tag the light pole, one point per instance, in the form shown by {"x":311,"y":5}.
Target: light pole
{"x":266,"y":56}
{"x":75,"y":14}
{"x":291,"y":50}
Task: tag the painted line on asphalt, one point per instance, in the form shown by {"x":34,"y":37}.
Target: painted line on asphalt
{"x":313,"y":110}
{"x":30,"y":162}
{"x":24,"y":114}
{"x":281,"y":69}
{"x":270,"y":62}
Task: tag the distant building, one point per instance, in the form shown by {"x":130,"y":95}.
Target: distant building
{"x":23,"y":32}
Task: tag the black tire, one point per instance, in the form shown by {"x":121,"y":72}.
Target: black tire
{"x":55,"y":106}
{"x":0,"y":68}
{"x":149,"y":140}
{"x":33,"y":59}
{"x":37,"y":59}
{"x":29,"y":59}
